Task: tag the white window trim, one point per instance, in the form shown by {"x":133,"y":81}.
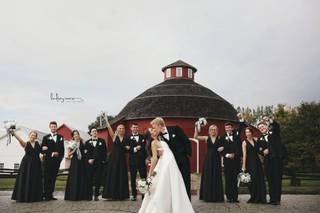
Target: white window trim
{"x":168,"y":73}
{"x":190,"y":72}
{"x":178,"y":71}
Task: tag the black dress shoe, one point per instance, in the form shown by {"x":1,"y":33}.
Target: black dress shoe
{"x":96,"y":198}
{"x":53,"y":198}
{"x":229,"y":201}
{"x":236,"y":201}
{"x":47,"y":198}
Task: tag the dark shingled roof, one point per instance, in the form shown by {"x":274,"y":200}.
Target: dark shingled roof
{"x":178,"y":98}
{"x":179,"y":63}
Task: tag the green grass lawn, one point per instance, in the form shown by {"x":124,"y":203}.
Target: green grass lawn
{"x":307,"y":186}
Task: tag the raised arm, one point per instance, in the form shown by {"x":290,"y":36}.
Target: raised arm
{"x":111,"y":132}
{"x":154,"y":158}
{"x":244,"y":155}
{"x":22,"y":142}
{"x":198,"y":137}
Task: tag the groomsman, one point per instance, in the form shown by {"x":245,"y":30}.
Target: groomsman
{"x":231,"y":158}
{"x":95,"y":151}
{"x":52,"y":148}
{"x":137,"y":156}
{"x":274,"y":152}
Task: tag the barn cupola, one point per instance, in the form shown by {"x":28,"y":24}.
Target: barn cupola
{"x":179,"y":70}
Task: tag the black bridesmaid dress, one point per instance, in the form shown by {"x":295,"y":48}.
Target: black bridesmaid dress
{"x":28,"y":186}
{"x":257,"y":187}
{"x":116,"y":186}
{"x":211,"y":186}
{"x":77,"y":184}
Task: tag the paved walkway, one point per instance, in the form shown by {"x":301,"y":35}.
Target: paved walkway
{"x":290,"y":204}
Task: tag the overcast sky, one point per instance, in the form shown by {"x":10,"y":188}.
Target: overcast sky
{"x":108,"y":52}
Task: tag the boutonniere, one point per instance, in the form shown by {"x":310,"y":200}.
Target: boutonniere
{"x":61,"y":139}
{"x":100,"y":143}
{"x":131,"y":137}
{"x":142,"y":140}
{"x":50,"y":138}
{"x":260,"y":149}
{"x":237,"y":133}
{"x":270,"y":133}
{"x":173,"y":135}
{"x":85,"y":151}
{"x":227,"y":138}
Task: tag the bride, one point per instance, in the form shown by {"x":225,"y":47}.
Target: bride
{"x":167,"y":193}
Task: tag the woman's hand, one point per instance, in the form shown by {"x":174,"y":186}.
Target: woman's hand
{"x":266,"y":152}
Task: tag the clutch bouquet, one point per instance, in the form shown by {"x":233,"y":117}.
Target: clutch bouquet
{"x":72,"y":145}
{"x":201,"y":123}
{"x":244,"y":178}
{"x":9,"y":125}
{"x":143,"y":185}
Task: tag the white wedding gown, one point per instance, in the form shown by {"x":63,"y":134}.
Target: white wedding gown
{"x":167,"y":192}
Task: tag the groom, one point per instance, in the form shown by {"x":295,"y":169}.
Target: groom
{"x":179,"y":145}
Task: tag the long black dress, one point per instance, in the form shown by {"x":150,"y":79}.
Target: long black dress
{"x":28,"y":186}
{"x":211,"y":186}
{"x":116,"y":186}
{"x":257,"y":187}
{"x":77,"y":184}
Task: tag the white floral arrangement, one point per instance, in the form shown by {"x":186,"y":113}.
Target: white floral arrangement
{"x":72,"y":145}
{"x":201,"y":123}
{"x":244,"y":178}
{"x":143,"y":185}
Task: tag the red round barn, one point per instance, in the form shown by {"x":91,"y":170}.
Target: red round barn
{"x":180,"y":101}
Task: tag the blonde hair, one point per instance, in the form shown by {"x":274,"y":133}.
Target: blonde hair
{"x":158,"y":121}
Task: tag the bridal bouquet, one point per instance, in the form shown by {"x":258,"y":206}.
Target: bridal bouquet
{"x":244,"y":178}
{"x":143,"y":185}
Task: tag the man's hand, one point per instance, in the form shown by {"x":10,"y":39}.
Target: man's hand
{"x":55,"y":154}
{"x":138,"y":147}
{"x":220,"y":149}
{"x":91,"y":161}
{"x":266,"y":152}
{"x":44,"y":148}
{"x":127,"y":147}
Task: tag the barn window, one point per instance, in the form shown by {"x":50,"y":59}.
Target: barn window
{"x":16,"y":166}
{"x":179,"y":71}
{"x":189,"y":73}
{"x":168,"y":73}
{"x":1,"y":165}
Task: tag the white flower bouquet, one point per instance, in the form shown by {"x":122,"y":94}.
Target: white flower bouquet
{"x":244,"y":178}
{"x":201,"y":123}
{"x":143,"y":185}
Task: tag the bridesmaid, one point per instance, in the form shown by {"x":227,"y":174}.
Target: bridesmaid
{"x":28,"y":186}
{"x":211,"y":187}
{"x":77,"y":183}
{"x":251,"y":163}
{"x":116,"y":186}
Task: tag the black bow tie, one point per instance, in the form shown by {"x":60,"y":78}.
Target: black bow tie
{"x":94,"y":139}
{"x":165,"y":133}
{"x":54,"y":134}
{"x":136,"y":135}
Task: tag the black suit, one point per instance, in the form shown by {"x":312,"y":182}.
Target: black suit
{"x":51,"y":163}
{"x":95,"y":171}
{"x":136,"y":160}
{"x":273,"y":161}
{"x":180,"y":146}
{"x":232,"y":145}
